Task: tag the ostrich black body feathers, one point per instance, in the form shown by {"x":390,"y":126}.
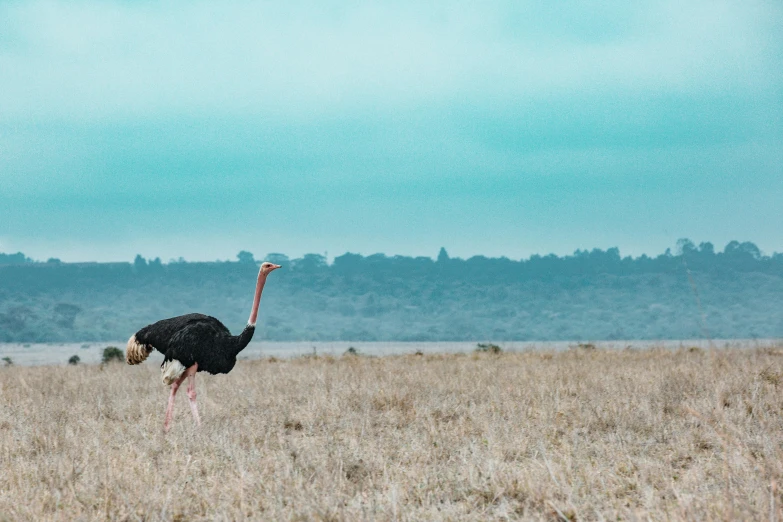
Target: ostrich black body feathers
{"x":196,"y":338}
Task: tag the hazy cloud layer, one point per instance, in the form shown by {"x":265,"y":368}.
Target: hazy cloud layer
{"x":198,"y":129}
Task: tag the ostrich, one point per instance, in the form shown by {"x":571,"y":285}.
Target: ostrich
{"x":194,"y":343}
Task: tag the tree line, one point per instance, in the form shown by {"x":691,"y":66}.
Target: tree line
{"x":693,"y":291}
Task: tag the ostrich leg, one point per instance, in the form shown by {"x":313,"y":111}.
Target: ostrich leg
{"x":170,"y":407}
{"x":191,"y":373}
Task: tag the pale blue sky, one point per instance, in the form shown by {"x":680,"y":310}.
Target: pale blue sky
{"x":509,"y":128}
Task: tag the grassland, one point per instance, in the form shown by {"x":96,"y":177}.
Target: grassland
{"x":584,"y":434}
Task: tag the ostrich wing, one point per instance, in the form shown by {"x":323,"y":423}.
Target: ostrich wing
{"x":199,"y":342}
{"x":171,"y":334}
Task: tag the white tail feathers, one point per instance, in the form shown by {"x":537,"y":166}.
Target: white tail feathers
{"x":136,"y":352}
{"x":172,"y":370}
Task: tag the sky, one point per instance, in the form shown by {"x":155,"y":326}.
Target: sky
{"x":199,"y":129}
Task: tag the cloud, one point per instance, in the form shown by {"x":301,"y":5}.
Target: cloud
{"x":82,"y":61}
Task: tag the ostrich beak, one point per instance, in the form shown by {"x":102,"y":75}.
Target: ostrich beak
{"x":275,"y":267}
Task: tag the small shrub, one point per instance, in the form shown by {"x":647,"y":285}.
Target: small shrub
{"x":291,"y":425}
{"x":351,"y":351}
{"x":112,"y":353}
{"x":8,"y":361}
{"x":488,"y":348}
{"x":74,"y":360}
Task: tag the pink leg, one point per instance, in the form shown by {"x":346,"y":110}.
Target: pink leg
{"x":170,"y":407}
{"x":191,"y":373}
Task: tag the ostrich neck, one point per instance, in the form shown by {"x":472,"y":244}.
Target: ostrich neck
{"x":243,"y":339}
{"x":257,"y":299}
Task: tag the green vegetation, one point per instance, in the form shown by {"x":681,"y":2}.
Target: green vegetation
{"x":488,"y":348}
{"x":74,"y":360}
{"x":8,"y":361}
{"x":111,"y":353}
{"x":586,"y":296}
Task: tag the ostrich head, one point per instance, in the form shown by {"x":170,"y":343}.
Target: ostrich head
{"x":267,"y":267}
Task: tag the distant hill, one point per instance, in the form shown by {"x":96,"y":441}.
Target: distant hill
{"x":694,"y":293}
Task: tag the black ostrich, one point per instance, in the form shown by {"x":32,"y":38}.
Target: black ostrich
{"x":194,"y":343}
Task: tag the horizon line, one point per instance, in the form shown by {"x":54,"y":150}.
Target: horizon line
{"x":682,"y":244}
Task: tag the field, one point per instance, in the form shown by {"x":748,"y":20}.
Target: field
{"x":580,"y":435}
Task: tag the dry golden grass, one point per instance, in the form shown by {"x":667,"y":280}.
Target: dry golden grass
{"x":587,"y":434}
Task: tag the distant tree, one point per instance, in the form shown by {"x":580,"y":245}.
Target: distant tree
{"x":685,"y":247}
{"x":139,"y":262}
{"x":750,"y":249}
{"x":310,"y":262}
{"x":348,"y":263}
{"x":74,"y":360}
{"x":731,"y":247}
{"x":377,"y":262}
{"x":742,"y":251}
{"x":278,"y":259}
{"x":246,"y":257}
{"x":14,"y":259}
{"x":8,"y":361}
{"x":53,"y":261}
{"x":443,"y":256}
